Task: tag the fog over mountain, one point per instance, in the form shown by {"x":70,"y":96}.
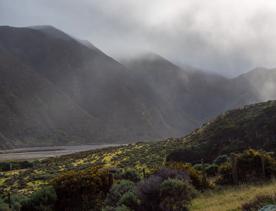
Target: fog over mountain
{"x":229,"y":37}
{"x":57,"y":89}
{"x":103,"y":71}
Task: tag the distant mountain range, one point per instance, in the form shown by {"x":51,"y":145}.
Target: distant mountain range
{"x":57,"y":90}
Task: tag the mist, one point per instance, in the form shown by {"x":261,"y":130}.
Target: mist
{"x":224,"y":36}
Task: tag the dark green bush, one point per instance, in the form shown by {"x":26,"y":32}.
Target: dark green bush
{"x":82,"y":190}
{"x":154,"y":198}
{"x":117,"y":191}
{"x":196,"y":177}
{"x":128,"y":174}
{"x":221,"y":159}
{"x":130,"y":200}
{"x":175,"y":195}
{"x":184,"y":155}
{"x":7,"y":166}
{"x":42,"y":200}
{"x":249,"y":167}
{"x":3,"y":205}
{"x":211,"y":169}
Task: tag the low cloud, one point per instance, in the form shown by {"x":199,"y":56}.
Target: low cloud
{"x":225,"y":36}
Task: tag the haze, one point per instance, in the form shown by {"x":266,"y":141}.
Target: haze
{"x":224,"y":36}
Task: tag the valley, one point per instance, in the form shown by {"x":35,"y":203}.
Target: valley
{"x":33,"y":153}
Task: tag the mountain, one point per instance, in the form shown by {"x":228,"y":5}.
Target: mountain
{"x":189,"y":93}
{"x":56,"y":89}
{"x":48,"y":66}
{"x":34,"y":112}
{"x":257,"y":85}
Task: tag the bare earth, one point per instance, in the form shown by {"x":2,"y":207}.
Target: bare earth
{"x":45,"y":152}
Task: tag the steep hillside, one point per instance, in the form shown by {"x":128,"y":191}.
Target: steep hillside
{"x":255,"y":86}
{"x":34,"y":112}
{"x":120,"y":108}
{"x":188,"y":92}
{"x":253,"y":126}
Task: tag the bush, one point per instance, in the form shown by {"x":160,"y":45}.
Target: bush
{"x":221,"y":159}
{"x":175,"y":195}
{"x":149,"y":190}
{"x":42,"y":200}
{"x":249,"y":167}
{"x":128,"y":174}
{"x":117,"y":191}
{"x":3,"y":205}
{"x":15,"y":202}
{"x":82,"y":190}
{"x":185,"y":156}
{"x":211,"y":169}
{"x":130,"y":200}
{"x":225,"y":172}
{"x":258,"y":202}
{"x":7,"y":166}
{"x":196,"y":176}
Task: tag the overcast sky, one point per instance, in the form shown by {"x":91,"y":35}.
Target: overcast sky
{"x":224,"y":36}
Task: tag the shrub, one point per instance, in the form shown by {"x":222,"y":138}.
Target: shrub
{"x":7,"y":166}
{"x":42,"y":200}
{"x":211,"y":169}
{"x":15,"y":201}
{"x":196,"y":176}
{"x":130,"y":200}
{"x":221,"y":159}
{"x":3,"y":205}
{"x":82,"y":190}
{"x":149,"y":190}
{"x":249,"y":167}
{"x":184,"y":155}
{"x":128,"y":174}
{"x":175,"y":195}
{"x":225,"y":172}
{"x":258,"y":202}
{"x":117,"y":191}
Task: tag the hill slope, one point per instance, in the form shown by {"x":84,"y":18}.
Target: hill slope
{"x":115,"y":105}
{"x":251,"y":126}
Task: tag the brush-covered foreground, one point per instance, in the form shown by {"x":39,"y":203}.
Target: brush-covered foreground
{"x":231,"y":198}
{"x":218,"y":143}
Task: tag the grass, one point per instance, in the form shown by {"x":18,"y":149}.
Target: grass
{"x":230,"y":198}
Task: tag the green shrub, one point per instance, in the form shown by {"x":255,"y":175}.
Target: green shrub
{"x":196,"y":176}
{"x":117,"y":191}
{"x":15,"y":201}
{"x":249,"y":167}
{"x":128,"y":174}
{"x":225,"y":172}
{"x":130,"y":200}
{"x":211,"y":169}
{"x":7,"y":166}
{"x":3,"y":205}
{"x":175,"y":195}
{"x":221,"y":159}
{"x":185,"y":156}
{"x":42,"y":200}
{"x":82,"y":190}
{"x":155,"y":193}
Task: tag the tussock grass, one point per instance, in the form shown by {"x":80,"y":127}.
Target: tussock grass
{"x":231,"y":198}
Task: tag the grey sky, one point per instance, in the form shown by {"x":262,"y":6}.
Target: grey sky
{"x":225,"y":36}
